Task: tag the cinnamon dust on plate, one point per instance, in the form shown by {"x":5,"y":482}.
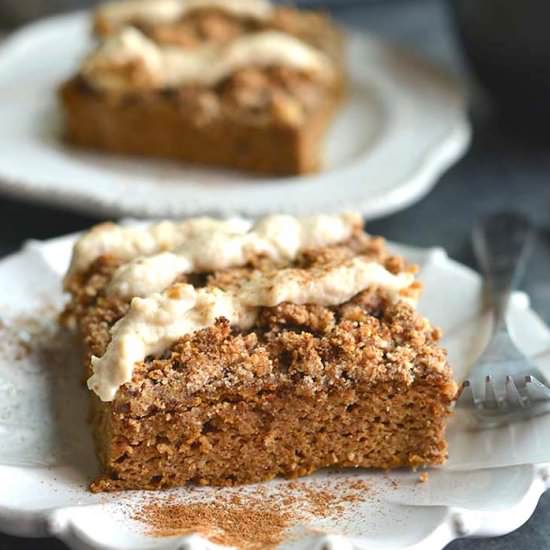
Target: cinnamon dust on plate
{"x":249,"y":519}
{"x":241,"y":524}
{"x":23,"y":335}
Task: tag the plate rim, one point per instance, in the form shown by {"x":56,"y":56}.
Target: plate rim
{"x":408,"y":189}
{"x":457,"y":523}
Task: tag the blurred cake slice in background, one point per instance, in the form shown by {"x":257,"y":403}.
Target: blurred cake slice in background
{"x":240,"y":84}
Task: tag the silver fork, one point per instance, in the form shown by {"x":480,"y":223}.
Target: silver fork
{"x":503,"y":386}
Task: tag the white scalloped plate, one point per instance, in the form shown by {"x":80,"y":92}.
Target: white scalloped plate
{"x":403,"y":125}
{"x":490,"y":486}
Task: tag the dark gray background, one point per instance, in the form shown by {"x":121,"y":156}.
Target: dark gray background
{"x":500,"y":171}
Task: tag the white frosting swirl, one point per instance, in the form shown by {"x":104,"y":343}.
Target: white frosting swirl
{"x":127,"y":243}
{"x":221,"y":246}
{"x":128,"y":60}
{"x":203,"y":241}
{"x":165,"y":11}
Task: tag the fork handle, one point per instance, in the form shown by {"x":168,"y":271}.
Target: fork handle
{"x":502,"y":244}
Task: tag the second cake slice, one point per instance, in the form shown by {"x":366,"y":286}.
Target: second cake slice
{"x":239,"y":84}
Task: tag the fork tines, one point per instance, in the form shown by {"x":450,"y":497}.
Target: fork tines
{"x":516,"y":394}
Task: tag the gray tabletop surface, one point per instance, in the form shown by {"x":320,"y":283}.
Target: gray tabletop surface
{"x":500,"y":171}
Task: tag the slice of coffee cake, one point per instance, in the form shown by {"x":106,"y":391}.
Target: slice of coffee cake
{"x":221,"y":352}
{"x":233,"y":83}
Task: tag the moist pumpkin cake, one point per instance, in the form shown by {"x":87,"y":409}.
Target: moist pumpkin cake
{"x":225,"y":352}
{"x":234,"y":83}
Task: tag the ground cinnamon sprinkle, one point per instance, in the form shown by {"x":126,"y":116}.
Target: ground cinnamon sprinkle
{"x":322,"y":502}
{"x":24,"y":335}
{"x":248,"y":525}
{"x":250,"y":520}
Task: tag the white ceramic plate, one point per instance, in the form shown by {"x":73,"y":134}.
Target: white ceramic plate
{"x":490,"y":486}
{"x":402,"y":126}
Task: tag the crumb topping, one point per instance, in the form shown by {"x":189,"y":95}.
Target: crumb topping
{"x":152,"y":324}
{"x":308,"y":348}
{"x":367,"y":334}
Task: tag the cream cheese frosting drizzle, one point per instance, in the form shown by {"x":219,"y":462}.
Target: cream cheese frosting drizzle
{"x":152,"y":324}
{"x":207,"y":243}
{"x":215,"y":246}
{"x":128,"y":242}
{"x":154,"y":66}
{"x":167,"y":11}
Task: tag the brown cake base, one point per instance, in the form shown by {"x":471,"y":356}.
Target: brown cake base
{"x":235,"y":438}
{"x":157,"y":125}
